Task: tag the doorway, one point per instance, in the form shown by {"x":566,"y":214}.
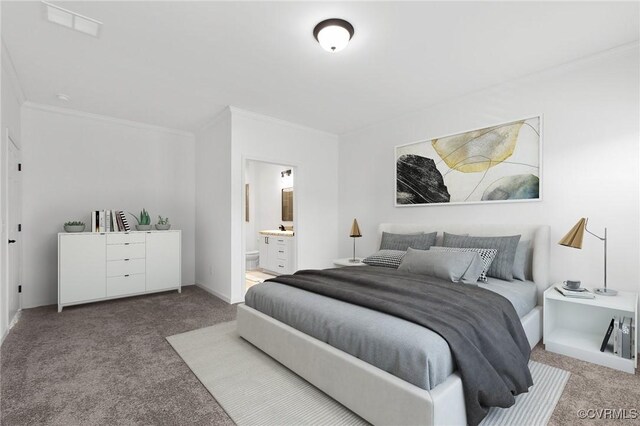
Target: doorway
{"x":269,"y":215}
{"x":13,"y":212}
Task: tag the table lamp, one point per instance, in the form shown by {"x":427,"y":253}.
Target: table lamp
{"x":355,"y":233}
{"x":573,"y":239}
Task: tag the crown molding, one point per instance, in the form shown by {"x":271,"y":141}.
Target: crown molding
{"x":10,"y":70}
{"x":213,"y":120}
{"x":268,"y":119}
{"x":583,"y":61}
{"x":105,"y":118}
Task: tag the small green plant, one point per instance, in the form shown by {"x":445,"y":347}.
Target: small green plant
{"x":143,"y":219}
{"x":74,"y":223}
{"x":162,"y":221}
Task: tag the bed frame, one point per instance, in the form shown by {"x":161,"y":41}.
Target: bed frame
{"x":374,"y":394}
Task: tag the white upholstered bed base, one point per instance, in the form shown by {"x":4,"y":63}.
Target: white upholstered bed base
{"x":374,"y":394}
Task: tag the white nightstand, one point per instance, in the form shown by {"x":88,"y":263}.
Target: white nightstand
{"x":346,"y":262}
{"x":576,"y":327}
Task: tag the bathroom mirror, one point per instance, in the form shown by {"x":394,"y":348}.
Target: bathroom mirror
{"x":287,"y":204}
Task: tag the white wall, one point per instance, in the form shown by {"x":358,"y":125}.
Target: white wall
{"x":213,"y":206}
{"x":590,"y":164}
{"x":75,"y":163}
{"x":11,"y":98}
{"x":314,"y":155}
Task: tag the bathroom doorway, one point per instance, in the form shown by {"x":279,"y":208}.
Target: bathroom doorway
{"x":269,"y":214}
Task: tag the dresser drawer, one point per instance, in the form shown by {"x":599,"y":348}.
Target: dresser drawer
{"x":126,"y":284}
{"x":124,"y":238}
{"x":117,"y":268}
{"x":281,"y":241}
{"x":280,"y":266}
{"x":125,"y":251}
{"x":282,"y":252}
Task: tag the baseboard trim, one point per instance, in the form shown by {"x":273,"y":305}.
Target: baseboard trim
{"x":13,"y":322}
{"x":215,"y":293}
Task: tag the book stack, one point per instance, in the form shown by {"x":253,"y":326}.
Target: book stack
{"x":109,"y":221}
{"x":581,"y":293}
{"x":622,"y":330}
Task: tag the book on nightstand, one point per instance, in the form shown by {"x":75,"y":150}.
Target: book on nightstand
{"x":607,"y":336}
{"x":625,"y":331}
{"x":582,"y":294}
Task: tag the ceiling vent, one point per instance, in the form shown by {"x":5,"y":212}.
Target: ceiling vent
{"x":72,"y":20}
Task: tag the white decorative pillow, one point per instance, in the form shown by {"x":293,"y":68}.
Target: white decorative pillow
{"x":487,"y":256}
{"x":386,"y":258}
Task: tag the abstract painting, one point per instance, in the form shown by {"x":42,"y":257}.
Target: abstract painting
{"x":497,"y":163}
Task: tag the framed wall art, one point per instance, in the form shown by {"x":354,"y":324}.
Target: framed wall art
{"x":494,"y":164}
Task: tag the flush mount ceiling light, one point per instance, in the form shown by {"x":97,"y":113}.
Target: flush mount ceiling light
{"x":72,"y":20}
{"x":333,"y":34}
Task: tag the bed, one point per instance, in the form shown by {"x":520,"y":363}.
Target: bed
{"x":424,"y":387}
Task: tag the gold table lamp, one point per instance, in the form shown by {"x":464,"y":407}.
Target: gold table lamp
{"x":573,"y":239}
{"x":355,"y":233}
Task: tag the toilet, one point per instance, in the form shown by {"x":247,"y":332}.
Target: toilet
{"x":252,"y":260}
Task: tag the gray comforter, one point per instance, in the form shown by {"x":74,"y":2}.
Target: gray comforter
{"x":481,"y":328}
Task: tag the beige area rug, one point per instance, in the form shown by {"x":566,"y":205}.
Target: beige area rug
{"x":254,"y":389}
{"x":256,"y":277}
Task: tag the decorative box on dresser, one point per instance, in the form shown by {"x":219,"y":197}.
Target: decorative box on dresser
{"x":576,"y":327}
{"x":100,"y":266}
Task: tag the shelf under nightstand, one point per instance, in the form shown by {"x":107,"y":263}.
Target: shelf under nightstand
{"x":576,"y":327}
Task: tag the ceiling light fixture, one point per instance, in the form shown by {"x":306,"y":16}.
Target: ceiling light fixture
{"x":63,"y":97}
{"x":72,"y":20}
{"x":333,"y":34}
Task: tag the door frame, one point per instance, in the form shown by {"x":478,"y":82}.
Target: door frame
{"x":8,"y":140}
{"x":296,"y":215}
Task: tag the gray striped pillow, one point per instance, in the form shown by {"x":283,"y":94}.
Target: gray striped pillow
{"x":404,"y":241}
{"x":502,"y":265}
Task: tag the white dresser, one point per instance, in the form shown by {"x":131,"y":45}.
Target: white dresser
{"x":277,"y":252}
{"x":99,"y":266}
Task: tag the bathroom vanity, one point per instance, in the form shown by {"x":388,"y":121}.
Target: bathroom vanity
{"x":278,"y":251}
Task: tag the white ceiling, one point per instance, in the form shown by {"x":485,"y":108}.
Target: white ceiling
{"x":177,"y":64}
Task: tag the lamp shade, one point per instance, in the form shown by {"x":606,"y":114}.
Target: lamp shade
{"x":574,"y":236}
{"x":355,"y":230}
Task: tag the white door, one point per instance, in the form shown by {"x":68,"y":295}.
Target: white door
{"x":163,"y":260}
{"x":13,"y":220}
{"x":83,"y":267}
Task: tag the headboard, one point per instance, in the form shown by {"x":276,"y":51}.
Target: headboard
{"x":537,"y":265}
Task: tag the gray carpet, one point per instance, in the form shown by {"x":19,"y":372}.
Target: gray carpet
{"x":109,"y":363}
{"x":256,"y":390}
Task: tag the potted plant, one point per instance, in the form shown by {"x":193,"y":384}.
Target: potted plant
{"x":74,"y":226}
{"x":163,"y":224}
{"x":144,"y":220}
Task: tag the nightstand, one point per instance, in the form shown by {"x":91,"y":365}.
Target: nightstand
{"x":346,"y":262}
{"x":576,"y":327}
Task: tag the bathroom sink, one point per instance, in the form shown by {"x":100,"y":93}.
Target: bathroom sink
{"x":277,"y":233}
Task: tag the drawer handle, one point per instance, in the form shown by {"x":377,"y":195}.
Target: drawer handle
{"x":280,"y":251}
{"x":126,"y":259}
{"x":126,"y":244}
{"x":127,"y":275}
{"x":280,"y":266}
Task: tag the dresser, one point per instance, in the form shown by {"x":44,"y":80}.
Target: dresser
{"x":100,"y":266}
{"x":277,"y":252}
